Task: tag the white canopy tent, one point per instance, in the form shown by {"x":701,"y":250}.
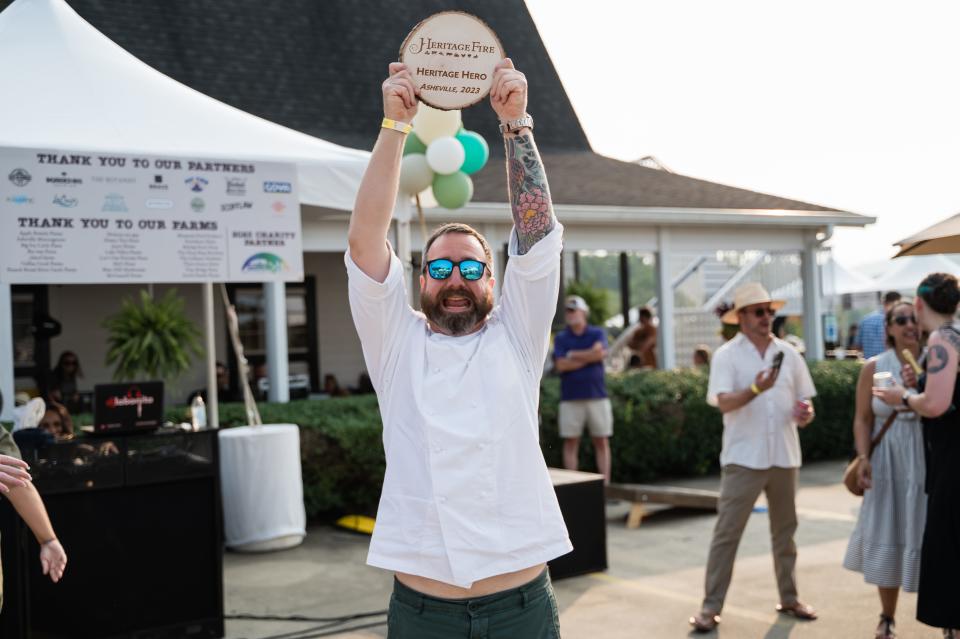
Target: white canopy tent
{"x":905,"y":273}
{"x":69,"y":87}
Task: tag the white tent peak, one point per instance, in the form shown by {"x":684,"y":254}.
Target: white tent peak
{"x":69,"y":87}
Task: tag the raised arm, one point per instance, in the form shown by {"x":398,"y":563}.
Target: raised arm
{"x":373,"y":209}
{"x":529,"y":194}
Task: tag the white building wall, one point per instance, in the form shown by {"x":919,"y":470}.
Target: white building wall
{"x":340,"y":352}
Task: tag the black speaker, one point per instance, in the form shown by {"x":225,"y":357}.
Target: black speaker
{"x":143,"y":535}
{"x":583,"y":505}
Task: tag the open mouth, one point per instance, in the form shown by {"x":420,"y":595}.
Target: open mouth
{"x":456,"y":304}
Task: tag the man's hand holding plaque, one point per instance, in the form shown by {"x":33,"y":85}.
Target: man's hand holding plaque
{"x":508,"y":95}
{"x":400,"y":94}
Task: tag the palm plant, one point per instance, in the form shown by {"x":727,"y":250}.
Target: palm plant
{"x":155,"y":339}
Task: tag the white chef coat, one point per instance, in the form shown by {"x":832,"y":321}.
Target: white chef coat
{"x":466,"y":494}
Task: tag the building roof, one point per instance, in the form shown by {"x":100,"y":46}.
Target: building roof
{"x":317,"y":67}
{"x":584,"y":177}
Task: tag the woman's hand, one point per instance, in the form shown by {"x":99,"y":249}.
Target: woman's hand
{"x":865,"y":474}
{"x":909,"y":376}
{"x":53,"y":559}
{"x":890,"y":395}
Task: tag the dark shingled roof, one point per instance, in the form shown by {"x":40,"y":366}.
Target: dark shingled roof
{"x":316,"y":66}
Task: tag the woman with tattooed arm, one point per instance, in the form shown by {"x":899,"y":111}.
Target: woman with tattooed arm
{"x":937,"y":403}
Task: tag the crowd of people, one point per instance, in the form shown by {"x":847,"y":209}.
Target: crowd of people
{"x":907,"y":535}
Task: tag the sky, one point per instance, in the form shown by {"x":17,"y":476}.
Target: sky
{"x":848,"y":104}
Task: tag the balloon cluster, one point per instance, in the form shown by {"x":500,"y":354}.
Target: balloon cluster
{"x":440,"y":153}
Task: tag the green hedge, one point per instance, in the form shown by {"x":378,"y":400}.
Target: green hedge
{"x":663,"y":428}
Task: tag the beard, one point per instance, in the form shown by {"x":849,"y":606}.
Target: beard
{"x":456,"y":323}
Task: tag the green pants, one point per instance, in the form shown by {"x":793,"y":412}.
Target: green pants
{"x":527,"y":612}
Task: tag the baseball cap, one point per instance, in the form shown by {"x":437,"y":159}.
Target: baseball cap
{"x":578,"y":303}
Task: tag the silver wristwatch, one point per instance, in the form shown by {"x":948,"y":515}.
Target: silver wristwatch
{"x":512,"y":126}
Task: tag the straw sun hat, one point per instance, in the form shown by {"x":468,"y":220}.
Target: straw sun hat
{"x":748,"y":295}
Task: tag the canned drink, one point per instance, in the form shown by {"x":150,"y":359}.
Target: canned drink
{"x":883,"y":379}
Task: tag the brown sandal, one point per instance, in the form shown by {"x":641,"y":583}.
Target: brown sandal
{"x":705,"y":621}
{"x":885,"y":628}
{"x":799,"y":610}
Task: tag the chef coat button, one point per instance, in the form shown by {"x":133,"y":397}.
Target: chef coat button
{"x":484,"y":494}
{"x":443,"y":500}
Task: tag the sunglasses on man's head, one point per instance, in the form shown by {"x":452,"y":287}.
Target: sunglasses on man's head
{"x":760,"y":312}
{"x":901,"y":320}
{"x":442,"y":268}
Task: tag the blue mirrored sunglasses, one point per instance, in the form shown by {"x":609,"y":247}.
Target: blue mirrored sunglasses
{"x":441,"y":269}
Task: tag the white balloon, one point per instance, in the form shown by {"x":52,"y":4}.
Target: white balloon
{"x":446,"y":155}
{"x":415,"y":173}
{"x":430,"y":124}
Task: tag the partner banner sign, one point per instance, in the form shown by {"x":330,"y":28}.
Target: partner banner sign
{"x":75,"y":217}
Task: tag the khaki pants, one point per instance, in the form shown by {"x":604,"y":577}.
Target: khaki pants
{"x":739,"y":489}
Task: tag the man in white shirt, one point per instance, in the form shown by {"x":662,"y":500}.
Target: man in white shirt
{"x":468,"y":517}
{"x":763,"y":388}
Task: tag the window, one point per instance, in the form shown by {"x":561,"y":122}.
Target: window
{"x":302,"y":343}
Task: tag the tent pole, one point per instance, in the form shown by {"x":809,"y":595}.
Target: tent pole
{"x":213,"y":407}
{"x":6,"y":352}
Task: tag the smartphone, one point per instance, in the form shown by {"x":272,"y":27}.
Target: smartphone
{"x":777,"y":362}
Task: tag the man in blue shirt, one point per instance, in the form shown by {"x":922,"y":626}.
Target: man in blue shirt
{"x":872,"y":335}
{"x":578,"y":353}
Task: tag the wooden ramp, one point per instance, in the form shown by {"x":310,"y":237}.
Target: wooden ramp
{"x":640,"y":494}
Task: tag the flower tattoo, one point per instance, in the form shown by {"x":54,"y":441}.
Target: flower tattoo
{"x":529,"y":194}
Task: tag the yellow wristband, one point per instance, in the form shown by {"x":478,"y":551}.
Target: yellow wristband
{"x":756,"y":389}
{"x":402,"y":127}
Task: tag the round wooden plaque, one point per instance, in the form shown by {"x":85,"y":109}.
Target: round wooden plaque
{"x":451,"y":56}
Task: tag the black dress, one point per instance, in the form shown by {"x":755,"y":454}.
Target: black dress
{"x":938,"y":603}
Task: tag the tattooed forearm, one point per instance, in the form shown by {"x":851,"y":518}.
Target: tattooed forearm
{"x":529,"y":194}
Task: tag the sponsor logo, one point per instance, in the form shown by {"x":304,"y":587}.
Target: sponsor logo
{"x":236,"y":186}
{"x":156,"y":203}
{"x":114,"y":203}
{"x":99,"y":179}
{"x":196,"y":184}
{"x":265,"y":262}
{"x":278,"y":207}
{"x":197,"y":204}
{"x":277,"y":187}
{"x":236,"y":206}
{"x":20,"y":177}
{"x":20,"y":199}
{"x":64,"y":180}
{"x":65,"y":201}
{"x":158,"y":184}
{"x":133,"y":397}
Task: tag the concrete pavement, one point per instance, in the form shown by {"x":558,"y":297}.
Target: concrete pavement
{"x":654,"y":583}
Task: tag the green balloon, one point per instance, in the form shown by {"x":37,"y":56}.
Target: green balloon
{"x":413,"y":144}
{"x":476,"y":150}
{"x":452,"y":191}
